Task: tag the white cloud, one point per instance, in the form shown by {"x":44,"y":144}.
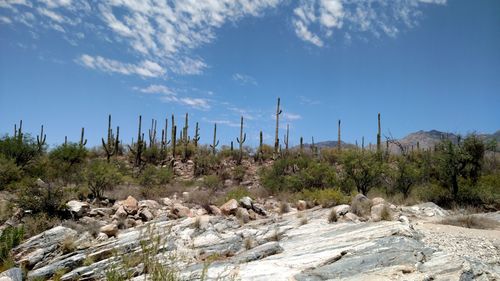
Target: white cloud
{"x":169,"y":95}
{"x":145,"y":68}
{"x":244,"y":79}
{"x":377,"y":17}
{"x":291,"y":116}
{"x":5,"y":20}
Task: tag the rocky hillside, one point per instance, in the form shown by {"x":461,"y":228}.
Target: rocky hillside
{"x":169,"y":239}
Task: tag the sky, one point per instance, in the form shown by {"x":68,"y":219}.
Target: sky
{"x":423,"y":64}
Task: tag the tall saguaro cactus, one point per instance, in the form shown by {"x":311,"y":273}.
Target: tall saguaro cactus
{"x":285,"y":138}
{"x":83,"y":140}
{"x":139,"y":146}
{"x":174,"y":140}
{"x":338,"y":141}
{"x":40,"y":140}
{"x":18,"y":133}
{"x":301,"y":145}
{"x":215,"y":142}
{"x":196,"y":137}
{"x":260,"y":153}
{"x":111,"y":144}
{"x":241,"y":140}
{"x":379,"y":136}
{"x":152,"y":133}
{"x":164,"y":142}
{"x":276,"y":138}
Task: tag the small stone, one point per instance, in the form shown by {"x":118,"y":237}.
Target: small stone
{"x":230,"y":207}
{"x":78,"y":208}
{"x":146,"y":215}
{"x":120,"y":213}
{"x":150,"y":204}
{"x":343,"y":209}
{"x":130,"y":205}
{"x":252,"y":214}
{"x":110,"y":229}
{"x":301,"y":205}
{"x":181,"y":211}
{"x":246,"y":202}
{"x":215,"y":210}
{"x":243,"y":215}
{"x":102,"y":237}
{"x":259,"y":209}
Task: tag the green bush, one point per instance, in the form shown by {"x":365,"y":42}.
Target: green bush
{"x":239,"y":173}
{"x":152,"y":176}
{"x":362,"y":169}
{"x":21,"y":150}
{"x":212,"y":182}
{"x":206,"y":163}
{"x":101,"y":176}
{"x":295,"y":174}
{"x":66,"y":162}
{"x":40,"y":198}
{"x":325,"y":197}
{"x":9,"y":172}
{"x":11,"y":237}
{"x":236,"y":193}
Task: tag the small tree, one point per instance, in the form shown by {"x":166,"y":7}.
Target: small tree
{"x":406,"y":175}
{"x":22,"y":149}
{"x":101,"y":176}
{"x":66,"y":161}
{"x":362,"y":168}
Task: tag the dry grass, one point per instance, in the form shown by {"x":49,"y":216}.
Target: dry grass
{"x":303,"y":220}
{"x":471,"y":221}
{"x":386,"y":214}
{"x":332,"y":217}
{"x":361,"y":208}
{"x":284,"y":207}
{"x":68,"y":245}
{"x":249,"y":243}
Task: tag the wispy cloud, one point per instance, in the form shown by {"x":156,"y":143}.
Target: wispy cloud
{"x":291,"y":116}
{"x":145,"y":68}
{"x":315,"y":21}
{"x":169,"y":95}
{"x":308,"y":101}
{"x":222,"y":122}
{"x":244,"y":79}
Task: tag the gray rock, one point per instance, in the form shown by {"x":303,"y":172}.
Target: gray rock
{"x":13,"y":274}
{"x":259,"y":209}
{"x":146,"y":215}
{"x":259,"y":252}
{"x":341,"y":210}
{"x":243,"y":215}
{"x":246,"y":202}
{"x":109,"y":229}
{"x":78,"y":208}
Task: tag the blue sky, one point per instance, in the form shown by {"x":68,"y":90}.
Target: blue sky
{"x":424,"y":64}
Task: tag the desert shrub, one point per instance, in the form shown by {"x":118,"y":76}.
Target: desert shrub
{"x":295,"y":174}
{"x":330,"y":155}
{"x":22,"y":150}
{"x":212,"y":182}
{"x":433,"y":192}
{"x":264,"y":153}
{"x":386,"y":214}
{"x":284,"y":207}
{"x":239,"y":173}
{"x":324,"y":197}
{"x":101,"y":176}
{"x":488,"y":190}
{"x":235,"y":193}
{"x":152,"y":176}
{"x":206,"y":163}
{"x":41,"y":198}
{"x":361,"y":207}
{"x":38,"y":223}
{"x":332,"y":216}
{"x":361,"y":168}
{"x":406,"y":175}
{"x":471,"y":221}
{"x":153,"y":155}
{"x":66,"y":162}
{"x":227,"y":153}
{"x":9,"y":172}
{"x":11,"y":237}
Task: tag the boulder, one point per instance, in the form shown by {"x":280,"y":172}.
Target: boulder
{"x":130,"y":205}
{"x":377,"y":212}
{"x":185,"y":195}
{"x":259,"y":209}
{"x":101,"y":237}
{"x":259,"y":252}
{"x":78,"y":208}
{"x":146,"y":215}
{"x":301,"y":205}
{"x":214,"y":210}
{"x":203,"y":222}
{"x":13,"y":274}
{"x":252,"y":215}
{"x":361,"y":205}
{"x":243,"y":215}
{"x":150,"y":204}
{"x":120,"y":213}
{"x":181,"y":211}
{"x":351,"y":217}
{"x":109,"y":229}
{"x":341,"y":210}
{"x":167,"y":201}
{"x":230,"y":207}
{"x":246,"y":202}
{"x":378,"y":200}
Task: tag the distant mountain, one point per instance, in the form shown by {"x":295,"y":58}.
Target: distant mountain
{"x":424,"y":139}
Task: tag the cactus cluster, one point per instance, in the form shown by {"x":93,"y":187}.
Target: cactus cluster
{"x":111,"y":144}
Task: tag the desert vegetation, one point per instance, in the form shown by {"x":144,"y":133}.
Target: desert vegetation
{"x":40,"y":180}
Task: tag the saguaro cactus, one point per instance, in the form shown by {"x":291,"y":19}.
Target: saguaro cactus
{"x":174,"y":140}
{"x":111,"y":144}
{"x":215,"y":142}
{"x":285,"y":138}
{"x":276,"y":138}
{"x":241,"y":140}
{"x":164,"y":142}
{"x":301,"y":145}
{"x":83,"y":140}
{"x":378,"y":136}
{"x":196,"y":137}
{"x":152,"y":133}
{"x":18,"y":133}
{"x":260,"y":153}
{"x":139,"y":146}
{"x":40,"y":140}
{"x":339,"y":143}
